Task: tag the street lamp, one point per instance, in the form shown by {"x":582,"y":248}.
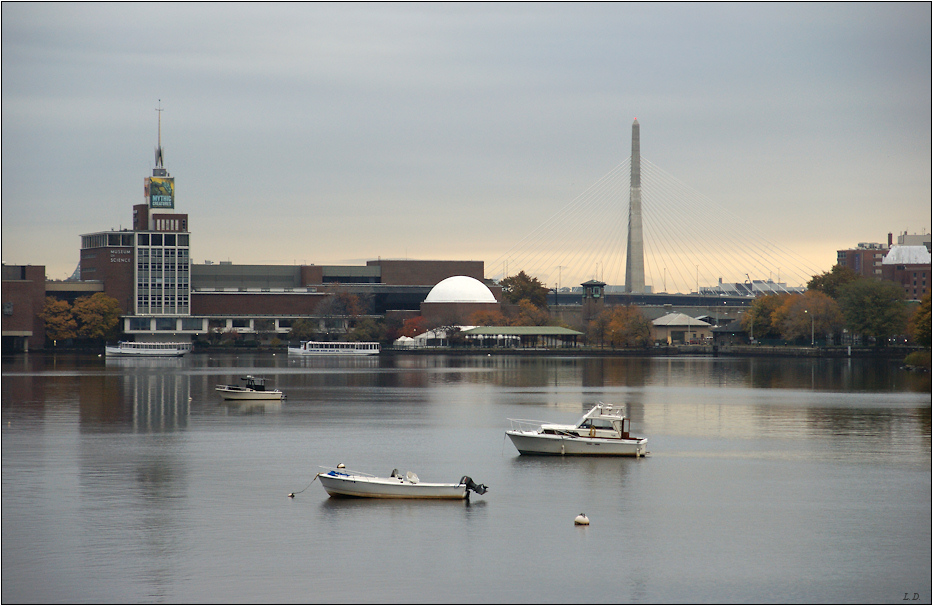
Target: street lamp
{"x":812,"y":341}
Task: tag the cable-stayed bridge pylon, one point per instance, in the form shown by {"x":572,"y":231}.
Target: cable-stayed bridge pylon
{"x":690,"y":244}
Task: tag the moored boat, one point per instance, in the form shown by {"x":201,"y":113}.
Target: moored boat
{"x":254,"y":389}
{"x":144,"y":349}
{"x":601,"y":432}
{"x":335,"y":348}
{"x":340,"y":482}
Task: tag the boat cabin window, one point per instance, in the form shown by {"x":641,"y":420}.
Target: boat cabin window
{"x":597,"y":423}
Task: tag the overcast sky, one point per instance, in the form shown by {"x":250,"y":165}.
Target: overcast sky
{"x":337,"y":133}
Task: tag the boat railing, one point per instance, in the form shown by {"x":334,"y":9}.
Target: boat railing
{"x":526,"y":424}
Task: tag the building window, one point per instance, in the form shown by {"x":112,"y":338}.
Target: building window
{"x":139,"y":323}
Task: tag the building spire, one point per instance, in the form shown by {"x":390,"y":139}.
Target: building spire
{"x":159,"y":170}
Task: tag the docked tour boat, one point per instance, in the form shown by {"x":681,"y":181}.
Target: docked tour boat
{"x":254,"y":389}
{"x":345,"y":483}
{"x":335,"y":348}
{"x":601,"y":431}
{"x":150,"y":350}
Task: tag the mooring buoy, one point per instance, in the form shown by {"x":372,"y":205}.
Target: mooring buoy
{"x":581,"y":520}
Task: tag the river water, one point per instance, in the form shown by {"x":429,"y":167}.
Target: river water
{"x":805,"y":481}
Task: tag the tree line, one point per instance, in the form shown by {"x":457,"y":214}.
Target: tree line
{"x":835,"y":300}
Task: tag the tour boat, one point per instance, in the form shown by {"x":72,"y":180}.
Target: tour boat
{"x":601,"y":431}
{"x":335,"y":348}
{"x":344,"y":483}
{"x":151,"y":350}
{"x":255,"y":389}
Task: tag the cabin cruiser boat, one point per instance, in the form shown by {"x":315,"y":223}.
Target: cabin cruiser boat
{"x":335,"y":348}
{"x":151,"y":350}
{"x":254,"y":389}
{"x":342,"y":482}
{"x":601,"y":431}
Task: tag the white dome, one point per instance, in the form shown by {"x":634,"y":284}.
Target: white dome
{"x":460,"y":289}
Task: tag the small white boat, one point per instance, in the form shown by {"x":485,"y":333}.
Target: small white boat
{"x":335,"y":348}
{"x":341,"y":482}
{"x":150,"y":350}
{"x":601,"y":432}
{"x":254,"y":389}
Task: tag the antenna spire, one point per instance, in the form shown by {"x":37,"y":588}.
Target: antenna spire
{"x":158,"y":153}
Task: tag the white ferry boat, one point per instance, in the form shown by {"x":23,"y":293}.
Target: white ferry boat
{"x":335,"y":348}
{"x":149,"y":350}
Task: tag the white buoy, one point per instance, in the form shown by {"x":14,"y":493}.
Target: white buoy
{"x":341,"y":466}
{"x":581,"y":520}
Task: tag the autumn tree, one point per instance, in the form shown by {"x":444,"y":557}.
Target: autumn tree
{"x":919,"y":325}
{"x":488,"y":318}
{"x":524,"y":287}
{"x":98,"y":316}
{"x":874,"y":308}
{"x":628,"y":327}
{"x":598,"y":327}
{"x":60,"y":323}
{"x":531,"y":315}
{"x":831,"y":282}
{"x":757,"y":321}
{"x":412,"y":327}
{"x":806,"y":315}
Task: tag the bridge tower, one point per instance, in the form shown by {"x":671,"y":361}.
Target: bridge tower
{"x":635,"y":248}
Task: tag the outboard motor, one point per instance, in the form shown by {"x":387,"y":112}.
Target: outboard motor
{"x":471,"y":485}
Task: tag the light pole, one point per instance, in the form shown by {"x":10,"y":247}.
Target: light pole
{"x":812,"y":341}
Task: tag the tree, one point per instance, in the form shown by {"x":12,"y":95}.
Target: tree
{"x":531,"y":315}
{"x":831,"y":282}
{"x":60,"y":323}
{"x":919,"y":325}
{"x":522,"y":286}
{"x":874,"y":308}
{"x":488,"y":318}
{"x":302,"y":330}
{"x":412,"y":327}
{"x":808,"y":315}
{"x":628,"y":327}
{"x":367,"y":329}
{"x":598,"y":327}
{"x":98,"y":316}
{"x":758,"y":320}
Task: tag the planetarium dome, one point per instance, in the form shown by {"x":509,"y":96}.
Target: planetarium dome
{"x":460,"y":289}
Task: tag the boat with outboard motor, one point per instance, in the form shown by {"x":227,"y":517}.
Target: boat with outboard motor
{"x":255,"y":389}
{"x":601,"y":432}
{"x":340,"y":482}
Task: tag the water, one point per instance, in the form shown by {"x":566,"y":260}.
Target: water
{"x":768,"y":481}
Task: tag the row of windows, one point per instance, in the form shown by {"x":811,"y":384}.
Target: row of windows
{"x":158,"y":253}
{"x":126,"y":239}
{"x":162,"y":239}
{"x":157,"y":299}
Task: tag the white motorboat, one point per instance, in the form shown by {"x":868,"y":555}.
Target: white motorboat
{"x":150,"y":350}
{"x":254,"y":389}
{"x":601,"y":432}
{"x":342,"y":482}
{"x":335,"y":348}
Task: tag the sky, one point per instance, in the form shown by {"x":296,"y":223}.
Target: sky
{"x":339,"y":133}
